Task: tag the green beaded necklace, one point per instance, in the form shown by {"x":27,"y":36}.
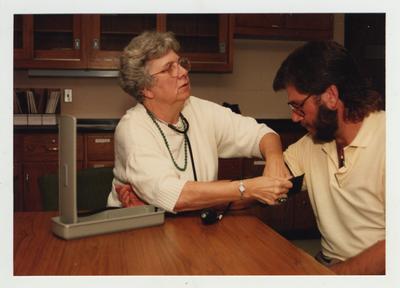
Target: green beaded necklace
{"x":152,"y":117}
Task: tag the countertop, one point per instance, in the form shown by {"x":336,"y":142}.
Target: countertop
{"x":83,"y":125}
{"x":108,"y":125}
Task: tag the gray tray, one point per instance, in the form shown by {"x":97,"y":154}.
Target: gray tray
{"x":109,"y":221}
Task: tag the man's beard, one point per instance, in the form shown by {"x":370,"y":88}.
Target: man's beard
{"x":325,"y":125}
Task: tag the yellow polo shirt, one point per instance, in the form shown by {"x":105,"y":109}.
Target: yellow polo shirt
{"x":348,"y":202}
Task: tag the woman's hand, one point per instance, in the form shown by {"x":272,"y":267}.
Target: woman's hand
{"x":127,"y":196}
{"x":267,"y":189}
{"x":275,"y":167}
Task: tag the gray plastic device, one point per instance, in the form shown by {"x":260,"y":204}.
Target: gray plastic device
{"x":68,"y":225}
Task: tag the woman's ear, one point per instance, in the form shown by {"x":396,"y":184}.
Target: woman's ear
{"x":147,"y":93}
{"x":331,"y":97}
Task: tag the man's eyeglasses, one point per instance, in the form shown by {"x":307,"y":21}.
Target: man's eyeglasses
{"x":298,"y":108}
{"x":172,"y":68}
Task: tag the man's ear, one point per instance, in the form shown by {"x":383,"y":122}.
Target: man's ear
{"x":331,"y":97}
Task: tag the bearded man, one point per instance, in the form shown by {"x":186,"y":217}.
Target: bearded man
{"x":342,"y":155}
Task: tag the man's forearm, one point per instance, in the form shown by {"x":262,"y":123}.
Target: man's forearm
{"x":271,"y":146}
{"x":369,"y":262}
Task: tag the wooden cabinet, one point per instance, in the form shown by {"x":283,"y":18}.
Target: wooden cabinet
{"x":22,"y":36}
{"x":284,"y":26}
{"x":99,"y":150}
{"x":51,"y":41}
{"x":36,"y":155}
{"x":206,"y":39}
{"x":66,"y":41}
{"x":108,"y":34}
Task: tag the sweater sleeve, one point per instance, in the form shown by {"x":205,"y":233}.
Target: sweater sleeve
{"x":237,"y":135}
{"x":154,"y":179}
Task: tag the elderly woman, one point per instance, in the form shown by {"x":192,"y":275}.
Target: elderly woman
{"x":167,"y":146}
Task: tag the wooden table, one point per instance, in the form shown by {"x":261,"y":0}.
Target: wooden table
{"x":237,"y":245}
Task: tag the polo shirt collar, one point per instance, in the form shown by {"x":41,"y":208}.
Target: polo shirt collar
{"x":361,"y":140}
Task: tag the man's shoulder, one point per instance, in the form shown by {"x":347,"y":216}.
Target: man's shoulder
{"x":306,"y":141}
{"x":376,"y":121}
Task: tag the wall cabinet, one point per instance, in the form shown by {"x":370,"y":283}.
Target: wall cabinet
{"x":57,"y":41}
{"x":284,"y":26}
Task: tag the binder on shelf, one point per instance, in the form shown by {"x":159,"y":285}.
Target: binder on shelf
{"x":34,"y":119}
{"x":20,"y":119}
{"x":37,"y":106}
{"x":52,"y":102}
{"x":49,"y":119}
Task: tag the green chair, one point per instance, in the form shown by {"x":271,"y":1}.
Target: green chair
{"x":93,"y":187}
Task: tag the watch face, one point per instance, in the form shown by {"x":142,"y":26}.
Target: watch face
{"x":241,"y":187}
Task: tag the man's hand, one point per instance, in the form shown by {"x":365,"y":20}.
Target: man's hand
{"x":127,"y":196}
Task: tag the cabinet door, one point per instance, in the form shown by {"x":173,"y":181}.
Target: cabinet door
{"x":18,"y":187}
{"x":284,"y":26}
{"x":56,"y":42}
{"x":39,"y":157}
{"x":258,"y":24}
{"x":18,"y":173}
{"x":108,"y":34}
{"x":32,"y":172}
{"x":309,"y":26}
{"x":206,"y":39}
{"x":23,"y":36}
{"x":32,"y":197}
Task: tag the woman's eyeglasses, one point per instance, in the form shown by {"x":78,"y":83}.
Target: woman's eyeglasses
{"x":172,"y":68}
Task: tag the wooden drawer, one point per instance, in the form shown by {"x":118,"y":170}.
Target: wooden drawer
{"x":44,"y":147}
{"x":100,"y":147}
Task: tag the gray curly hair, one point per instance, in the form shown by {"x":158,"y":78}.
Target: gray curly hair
{"x":149,"y":45}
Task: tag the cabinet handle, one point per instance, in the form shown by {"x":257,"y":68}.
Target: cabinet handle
{"x":52,"y":149}
{"x":259,"y":163}
{"x":275,"y":26}
{"x":102,"y":140}
{"x":77,"y":43}
{"x":96,"y":44}
{"x":27,"y":177}
{"x":222,"y":47}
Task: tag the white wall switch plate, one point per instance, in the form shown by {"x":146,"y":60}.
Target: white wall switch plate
{"x":67,"y":95}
